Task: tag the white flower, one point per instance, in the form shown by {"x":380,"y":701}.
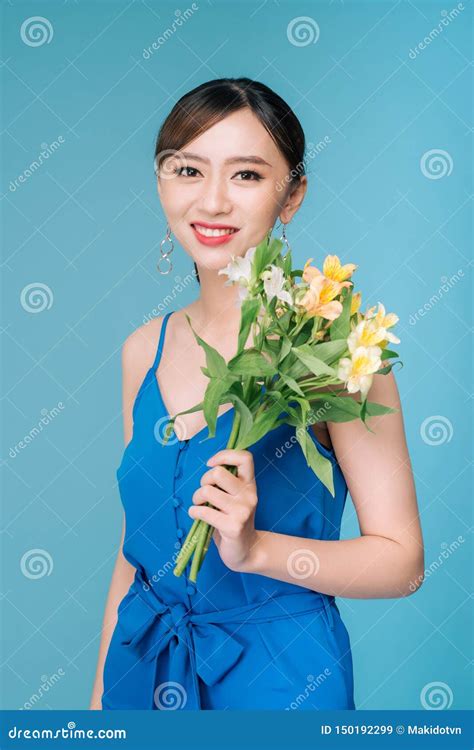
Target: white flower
{"x":273,"y":282}
{"x":369,"y":332}
{"x":239,"y":270}
{"x":357,"y":372}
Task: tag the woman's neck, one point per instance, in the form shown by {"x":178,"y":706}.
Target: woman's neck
{"x":217,"y":310}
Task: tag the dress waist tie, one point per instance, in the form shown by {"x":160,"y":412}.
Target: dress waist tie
{"x":210,"y":652}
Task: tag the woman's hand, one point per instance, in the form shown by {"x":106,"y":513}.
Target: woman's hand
{"x":234,"y":501}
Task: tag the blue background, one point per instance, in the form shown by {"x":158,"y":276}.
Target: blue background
{"x":88,"y":224}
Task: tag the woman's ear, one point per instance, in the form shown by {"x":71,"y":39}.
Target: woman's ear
{"x":294,"y":200}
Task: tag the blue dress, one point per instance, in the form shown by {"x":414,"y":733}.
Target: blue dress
{"x":232,"y":640}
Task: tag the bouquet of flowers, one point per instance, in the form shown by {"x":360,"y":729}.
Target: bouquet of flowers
{"x":310,"y":344}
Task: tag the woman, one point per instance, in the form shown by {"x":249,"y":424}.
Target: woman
{"x":261,"y":629}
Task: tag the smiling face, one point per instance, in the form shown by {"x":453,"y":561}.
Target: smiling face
{"x":223,"y":191}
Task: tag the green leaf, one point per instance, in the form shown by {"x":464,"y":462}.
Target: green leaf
{"x":336,"y":409}
{"x":265,"y":254}
{"x":330,"y":351}
{"x":251,"y":362}
{"x":373,"y":409}
{"x":246,"y":416}
{"x":341,"y":327}
{"x":285,"y":349}
{"x":287,"y":264}
{"x":169,"y":429}
{"x":263,"y":423}
{"x":345,"y":408}
{"x":292,"y":384}
{"x":248,"y":315}
{"x":387,"y":353}
{"x":216,"y":363}
{"x":304,"y":336}
{"x":307,"y":355}
{"x":212,"y":400}
{"x":321,"y":465}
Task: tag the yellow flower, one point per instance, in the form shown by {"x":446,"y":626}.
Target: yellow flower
{"x":332,"y":270}
{"x":357,"y":371}
{"x":320,"y":300}
{"x":373,"y":329}
{"x":382,"y":319}
{"x":356,"y":302}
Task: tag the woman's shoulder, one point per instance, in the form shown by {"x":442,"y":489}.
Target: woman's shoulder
{"x":141,"y":344}
{"x":138,"y":351}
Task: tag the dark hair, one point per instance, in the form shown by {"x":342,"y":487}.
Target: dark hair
{"x":212,"y":101}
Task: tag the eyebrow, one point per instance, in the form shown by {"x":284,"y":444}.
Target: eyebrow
{"x":250,"y":159}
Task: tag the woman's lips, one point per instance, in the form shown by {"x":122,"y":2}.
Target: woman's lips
{"x":213,"y":241}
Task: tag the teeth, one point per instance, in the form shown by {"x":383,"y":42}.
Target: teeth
{"x":212,"y":232}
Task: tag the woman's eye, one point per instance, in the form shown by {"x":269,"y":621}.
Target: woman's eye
{"x":245,"y":175}
{"x":253,"y":175}
{"x":179,"y":172}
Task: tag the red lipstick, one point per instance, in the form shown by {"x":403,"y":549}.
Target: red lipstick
{"x":213,"y":240}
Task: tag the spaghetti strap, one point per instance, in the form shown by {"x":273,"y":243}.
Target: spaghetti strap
{"x":161,"y":340}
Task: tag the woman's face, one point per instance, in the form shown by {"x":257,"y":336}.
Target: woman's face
{"x":233,"y":176}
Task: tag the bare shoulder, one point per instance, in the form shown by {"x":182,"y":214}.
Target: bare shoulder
{"x":342,"y":436}
{"x":138,"y":352}
{"x":368,"y":456}
{"x":139,"y":344}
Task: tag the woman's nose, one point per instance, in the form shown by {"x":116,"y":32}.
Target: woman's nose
{"x":214,"y":197}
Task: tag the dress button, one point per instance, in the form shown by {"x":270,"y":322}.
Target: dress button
{"x":179,"y":533}
{"x":176,"y":501}
{"x":191,"y":589}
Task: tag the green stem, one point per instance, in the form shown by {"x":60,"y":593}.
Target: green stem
{"x":195,"y":565}
{"x":207,"y":544}
{"x":188,"y":548}
{"x":199,"y":551}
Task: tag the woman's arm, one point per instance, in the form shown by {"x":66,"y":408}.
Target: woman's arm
{"x":133,"y":353}
{"x":122,"y":578}
{"x":387,"y":560}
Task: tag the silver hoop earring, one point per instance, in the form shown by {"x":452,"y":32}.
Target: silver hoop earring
{"x":284,"y":238}
{"x":166,"y":253}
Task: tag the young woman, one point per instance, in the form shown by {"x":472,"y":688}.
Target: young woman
{"x":261,"y":629}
